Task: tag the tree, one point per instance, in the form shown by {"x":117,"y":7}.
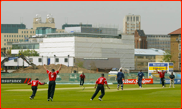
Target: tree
{"x":29,"y":52}
{"x":167,"y":57}
{"x":9,"y":52}
{"x":93,"y":66}
{"x":79,"y":64}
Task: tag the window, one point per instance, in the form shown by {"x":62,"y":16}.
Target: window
{"x":22,"y":31}
{"x":33,"y":31}
{"x":30,"y":31}
{"x":140,"y":57}
{"x":65,"y":59}
{"x":4,"y":43}
{"x":9,"y":39}
{"x":15,"y":60}
{"x":4,"y":35}
{"x":27,"y":31}
{"x":127,"y":18}
{"x":40,"y":59}
{"x":27,"y":35}
{"x":22,"y":36}
{"x":149,"y":57}
{"x":179,"y":46}
{"x":179,"y":65}
{"x":19,"y":35}
{"x":17,"y":40}
{"x":133,"y":18}
{"x":140,"y":64}
{"x":14,"y":35}
{"x":57,"y":59}
{"x":4,"y":39}
{"x":179,"y":37}
{"x":14,"y":39}
{"x":137,"y":18}
{"x":9,"y":35}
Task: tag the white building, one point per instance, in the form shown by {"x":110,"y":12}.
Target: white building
{"x":87,"y":45}
{"x":131,"y":23}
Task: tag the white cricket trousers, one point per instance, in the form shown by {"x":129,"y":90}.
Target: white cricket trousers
{"x":171,"y":82}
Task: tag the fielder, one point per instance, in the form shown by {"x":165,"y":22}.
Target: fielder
{"x":34,"y":87}
{"x":52,"y":84}
{"x":100,"y":86}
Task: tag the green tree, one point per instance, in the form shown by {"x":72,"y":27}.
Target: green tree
{"x":9,"y":52}
{"x":167,"y":57}
{"x":93,"y":66}
{"x":79,"y":64}
{"x":29,"y":52}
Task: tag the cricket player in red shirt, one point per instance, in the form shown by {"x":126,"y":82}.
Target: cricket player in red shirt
{"x":162,"y":75}
{"x":34,"y":87}
{"x":82,"y":78}
{"x":52,"y":78}
{"x":100,"y":86}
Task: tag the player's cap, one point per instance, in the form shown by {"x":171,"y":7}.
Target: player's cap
{"x":53,"y":70}
{"x":102,"y":74}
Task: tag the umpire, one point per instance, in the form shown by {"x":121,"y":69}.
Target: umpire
{"x":171,"y":77}
{"x":52,"y":77}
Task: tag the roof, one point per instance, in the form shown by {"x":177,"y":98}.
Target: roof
{"x":178,"y":31}
{"x":151,"y":51}
{"x":141,"y":32}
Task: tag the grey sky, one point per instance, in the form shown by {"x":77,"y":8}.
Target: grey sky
{"x":157,"y":17}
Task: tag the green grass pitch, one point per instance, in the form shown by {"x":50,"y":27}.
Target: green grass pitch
{"x":73,"y":96}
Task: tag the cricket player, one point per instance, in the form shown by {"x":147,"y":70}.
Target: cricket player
{"x":52,"y":78}
{"x":82,"y":78}
{"x":100,"y":86}
{"x":171,"y":77}
{"x":162,"y":75}
{"x":140,"y":76}
{"x":120,"y":77}
{"x":34,"y":87}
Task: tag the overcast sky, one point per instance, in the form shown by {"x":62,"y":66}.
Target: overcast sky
{"x":157,"y":17}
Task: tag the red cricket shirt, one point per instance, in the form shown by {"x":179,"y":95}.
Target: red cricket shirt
{"x":82,"y":76}
{"x":52,"y":76}
{"x":35,"y":83}
{"x":162,"y":74}
{"x":101,"y":80}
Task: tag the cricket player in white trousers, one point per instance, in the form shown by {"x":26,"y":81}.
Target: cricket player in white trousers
{"x":171,"y":77}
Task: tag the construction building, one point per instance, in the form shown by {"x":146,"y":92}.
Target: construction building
{"x":93,"y":46}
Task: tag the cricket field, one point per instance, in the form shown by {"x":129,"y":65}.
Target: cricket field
{"x":73,"y":96}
